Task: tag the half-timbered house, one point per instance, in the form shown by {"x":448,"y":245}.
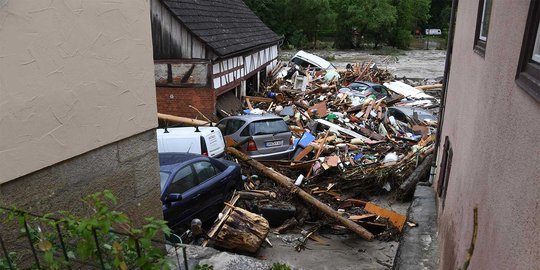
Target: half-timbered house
{"x":207,"y":52}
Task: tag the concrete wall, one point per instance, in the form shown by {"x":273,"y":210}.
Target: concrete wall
{"x":75,"y":76}
{"x":494,"y":130}
{"x":129,"y":168}
{"x":176,"y":101}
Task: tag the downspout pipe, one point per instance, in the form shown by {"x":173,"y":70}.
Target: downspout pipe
{"x":447,"y":65}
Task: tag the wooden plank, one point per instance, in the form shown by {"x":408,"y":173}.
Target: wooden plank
{"x":260,"y":99}
{"x":397,"y":219}
{"x":429,"y":87}
{"x":361,"y":217}
{"x":303,"y":153}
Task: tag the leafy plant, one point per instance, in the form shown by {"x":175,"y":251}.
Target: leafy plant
{"x":204,"y":267}
{"x":280,"y":266}
{"x":91,"y":238}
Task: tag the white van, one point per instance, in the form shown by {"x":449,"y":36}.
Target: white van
{"x":206,"y":141}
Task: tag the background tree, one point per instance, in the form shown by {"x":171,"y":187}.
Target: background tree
{"x":352,"y":23}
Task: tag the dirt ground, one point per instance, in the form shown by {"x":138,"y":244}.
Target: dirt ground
{"x":417,"y":64}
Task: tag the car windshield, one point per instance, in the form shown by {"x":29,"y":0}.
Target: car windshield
{"x":358,"y":86}
{"x":164,"y":176}
{"x":268,"y":127}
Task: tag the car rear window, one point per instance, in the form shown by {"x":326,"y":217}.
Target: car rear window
{"x":268,"y":127}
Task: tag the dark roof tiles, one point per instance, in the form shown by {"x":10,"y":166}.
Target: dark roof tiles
{"x":227,"y":26}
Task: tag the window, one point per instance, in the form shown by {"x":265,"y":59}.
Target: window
{"x":245,"y":132}
{"x":182,"y":181}
{"x":163,"y":179}
{"x":233,"y":125}
{"x":444,"y":170}
{"x":482,"y":26}
{"x":205,"y":170}
{"x":528,"y":73}
{"x":273,"y":126}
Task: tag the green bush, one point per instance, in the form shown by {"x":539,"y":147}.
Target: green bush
{"x":117,"y":251}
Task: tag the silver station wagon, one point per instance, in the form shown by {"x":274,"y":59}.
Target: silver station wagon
{"x":268,"y":136}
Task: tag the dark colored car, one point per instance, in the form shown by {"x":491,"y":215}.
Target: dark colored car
{"x":268,"y":135}
{"x":367,"y":88}
{"x":407,"y":114}
{"x":195,"y":186}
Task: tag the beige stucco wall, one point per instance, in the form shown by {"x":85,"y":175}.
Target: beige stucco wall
{"x":74,"y":76}
{"x":494,"y":129}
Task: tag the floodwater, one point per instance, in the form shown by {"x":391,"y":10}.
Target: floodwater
{"x":414,"y":64}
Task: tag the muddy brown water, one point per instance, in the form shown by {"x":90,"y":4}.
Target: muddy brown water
{"x":418,"y":64}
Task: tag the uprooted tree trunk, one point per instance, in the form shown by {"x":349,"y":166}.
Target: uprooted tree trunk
{"x":242,"y":231}
{"x":288,"y":183}
{"x":406,"y":189}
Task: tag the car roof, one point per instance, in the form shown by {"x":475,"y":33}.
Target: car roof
{"x":313,"y":58}
{"x":253,"y":117}
{"x":188,"y":131}
{"x":166,"y":159}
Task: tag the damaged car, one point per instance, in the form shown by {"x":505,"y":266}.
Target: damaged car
{"x":266,"y":136}
{"x":195,"y":186}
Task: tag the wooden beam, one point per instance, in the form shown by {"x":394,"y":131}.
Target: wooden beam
{"x":182,"y":120}
{"x":306,"y":197}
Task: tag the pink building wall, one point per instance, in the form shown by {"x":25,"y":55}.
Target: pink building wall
{"x":494,"y":129}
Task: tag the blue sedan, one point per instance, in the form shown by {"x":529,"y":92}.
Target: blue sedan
{"x":195,"y":186}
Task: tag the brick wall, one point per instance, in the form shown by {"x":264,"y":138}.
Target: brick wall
{"x":176,"y":101}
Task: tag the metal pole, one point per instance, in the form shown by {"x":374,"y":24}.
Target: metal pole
{"x":185,"y":257}
{"x":61,"y":239}
{"x":8,"y":259}
{"x":98,"y":249}
{"x":27,"y":230}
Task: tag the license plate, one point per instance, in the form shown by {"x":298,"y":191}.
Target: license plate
{"x":274,"y":143}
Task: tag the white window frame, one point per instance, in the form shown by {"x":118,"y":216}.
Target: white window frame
{"x":482,"y":25}
{"x":536,"y":51}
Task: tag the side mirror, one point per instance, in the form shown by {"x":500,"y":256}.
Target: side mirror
{"x":173,"y":197}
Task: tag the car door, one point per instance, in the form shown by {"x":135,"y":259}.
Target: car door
{"x":180,"y":213}
{"x":213,"y":187}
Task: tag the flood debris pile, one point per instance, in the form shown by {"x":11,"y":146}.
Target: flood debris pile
{"x":357,"y":134}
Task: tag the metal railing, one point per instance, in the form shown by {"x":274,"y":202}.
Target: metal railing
{"x":65,"y":243}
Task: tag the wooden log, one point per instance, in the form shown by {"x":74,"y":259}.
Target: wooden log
{"x":248,"y":195}
{"x":287,"y":224}
{"x":248,"y":103}
{"x":182,"y":120}
{"x":242,"y":231}
{"x":429,"y":87}
{"x":219,"y":222}
{"x":289,"y":184}
{"x":406,"y":189}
